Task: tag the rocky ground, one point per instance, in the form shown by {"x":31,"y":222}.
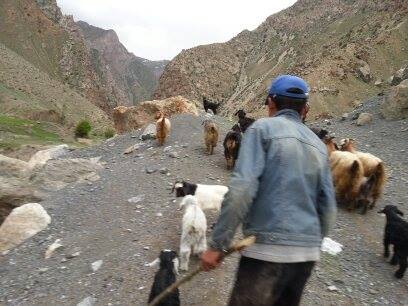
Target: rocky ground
{"x":95,"y":221}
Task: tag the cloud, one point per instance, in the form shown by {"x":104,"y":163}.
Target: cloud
{"x":161,"y":29}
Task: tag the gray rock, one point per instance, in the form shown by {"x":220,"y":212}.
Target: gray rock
{"x":395,"y":105}
{"x":344,"y":116}
{"x":88,"y":301}
{"x":399,"y":76}
{"x":364,"y":118}
{"x":96,"y":265}
{"x":137,"y":199}
{"x":149,"y":132}
{"x":150,"y":170}
{"x":378,"y":83}
{"x":173,"y":154}
{"x":364,"y":73}
{"x":164,"y":170}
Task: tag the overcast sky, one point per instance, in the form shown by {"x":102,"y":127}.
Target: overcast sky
{"x":161,"y":29}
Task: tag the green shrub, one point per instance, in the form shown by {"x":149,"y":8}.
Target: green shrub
{"x":82,"y":129}
{"x":109,"y":133}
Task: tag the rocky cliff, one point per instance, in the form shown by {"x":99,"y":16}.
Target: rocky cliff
{"x":344,"y":49}
{"x":134,"y":78}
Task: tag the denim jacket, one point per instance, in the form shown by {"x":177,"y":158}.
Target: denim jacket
{"x":281,"y":189}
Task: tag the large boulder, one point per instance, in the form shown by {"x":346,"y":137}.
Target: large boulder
{"x":149,"y":132}
{"x":395,"y":105}
{"x":22,"y":223}
{"x":399,"y":76}
{"x":134,"y":117}
{"x":364,"y":72}
{"x":41,"y":157}
{"x":12,"y":167}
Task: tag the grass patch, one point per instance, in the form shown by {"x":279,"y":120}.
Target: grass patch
{"x":15,"y":132}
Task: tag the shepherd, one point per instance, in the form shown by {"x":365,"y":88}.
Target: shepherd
{"x":281,"y":190}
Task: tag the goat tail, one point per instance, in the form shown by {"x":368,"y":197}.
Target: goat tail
{"x":381,"y":177}
{"x":230,"y":144}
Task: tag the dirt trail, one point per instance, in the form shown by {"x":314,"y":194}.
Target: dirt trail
{"x":97,"y":220}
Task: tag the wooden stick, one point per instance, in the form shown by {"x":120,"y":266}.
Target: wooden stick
{"x":235,"y":248}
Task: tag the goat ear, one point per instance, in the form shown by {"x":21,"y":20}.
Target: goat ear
{"x":400,"y":212}
{"x":381,"y":211}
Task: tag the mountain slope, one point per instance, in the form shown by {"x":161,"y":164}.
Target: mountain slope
{"x":135,"y":78}
{"x":325,"y":41}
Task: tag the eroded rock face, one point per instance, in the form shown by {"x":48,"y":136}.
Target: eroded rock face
{"x":395,"y":105}
{"x":22,"y":223}
{"x":130,"y":118}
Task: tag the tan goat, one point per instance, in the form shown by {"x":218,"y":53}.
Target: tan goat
{"x":351,"y":186}
{"x":373,"y":166}
{"x":210,"y":135}
{"x":163,"y":127}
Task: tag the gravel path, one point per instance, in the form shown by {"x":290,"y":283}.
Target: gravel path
{"x":96,"y":220}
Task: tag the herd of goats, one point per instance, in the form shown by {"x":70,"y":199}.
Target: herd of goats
{"x":359,"y":179}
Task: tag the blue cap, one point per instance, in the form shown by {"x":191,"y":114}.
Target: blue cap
{"x":289,"y":86}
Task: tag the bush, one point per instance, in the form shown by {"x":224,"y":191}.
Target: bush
{"x":82,"y":129}
{"x":109,"y":133}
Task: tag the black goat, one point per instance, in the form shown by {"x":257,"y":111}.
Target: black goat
{"x":243,"y":120}
{"x":396,"y":233}
{"x":210,"y":105}
{"x":165,"y":277}
{"x":321,"y":133}
{"x":232,"y":142}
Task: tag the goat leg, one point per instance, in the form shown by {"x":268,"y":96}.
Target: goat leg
{"x":402,"y":258}
{"x":386,"y":247}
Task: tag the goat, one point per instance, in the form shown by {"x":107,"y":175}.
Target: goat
{"x":163,"y":127}
{"x":210,"y":135}
{"x":209,"y":197}
{"x":396,"y":233}
{"x":194,"y":227}
{"x":210,"y":105}
{"x":350,"y":184}
{"x":165,"y":276}
{"x":372,"y":165}
{"x":321,"y":133}
{"x":232,"y":142}
{"x":243,"y":120}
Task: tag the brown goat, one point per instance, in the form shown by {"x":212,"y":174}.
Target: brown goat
{"x":351,"y":186}
{"x":162,"y":127}
{"x":210,"y":136}
{"x":373,"y":166}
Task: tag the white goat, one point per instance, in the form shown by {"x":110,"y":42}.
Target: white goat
{"x":209,"y":197}
{"x":194,"y":227}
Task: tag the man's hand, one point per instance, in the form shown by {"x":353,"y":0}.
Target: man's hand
{"x":211,"y":259}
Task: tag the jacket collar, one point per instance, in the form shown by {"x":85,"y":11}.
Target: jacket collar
{"x":288,"y":113}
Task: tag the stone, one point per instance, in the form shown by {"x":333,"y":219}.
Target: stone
{"x":174,"y":154}
{"x":395,"y":104}
{"x":54,"y":246}
{"x":364,"y":118}
{"x":12,"y":167}
{"x":150,"y":170}
{"x":40,"y":158}
{"x":344,"y":117}
{"x":332,"y":288}
{"x":132,"y":148}
{"x":96,"y":265}
{"x":22,"y":223}
{"x":137,"y":199}
{"x":88,"y":301}
{"x":210,"y":112}
{"x":164,"y":170}
{"x":149,"y":132}
{"x":355,"y":116}
{"x":378,"y":83}
{"x":399,"y":76}
{"x":364,"y":72}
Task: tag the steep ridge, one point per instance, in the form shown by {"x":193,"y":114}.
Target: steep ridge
{"x":135,"y":78}
{"x":340,"y":47}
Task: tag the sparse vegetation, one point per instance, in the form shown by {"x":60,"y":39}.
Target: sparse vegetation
{"x":109,"y":133}
{"x":82,"y":129}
